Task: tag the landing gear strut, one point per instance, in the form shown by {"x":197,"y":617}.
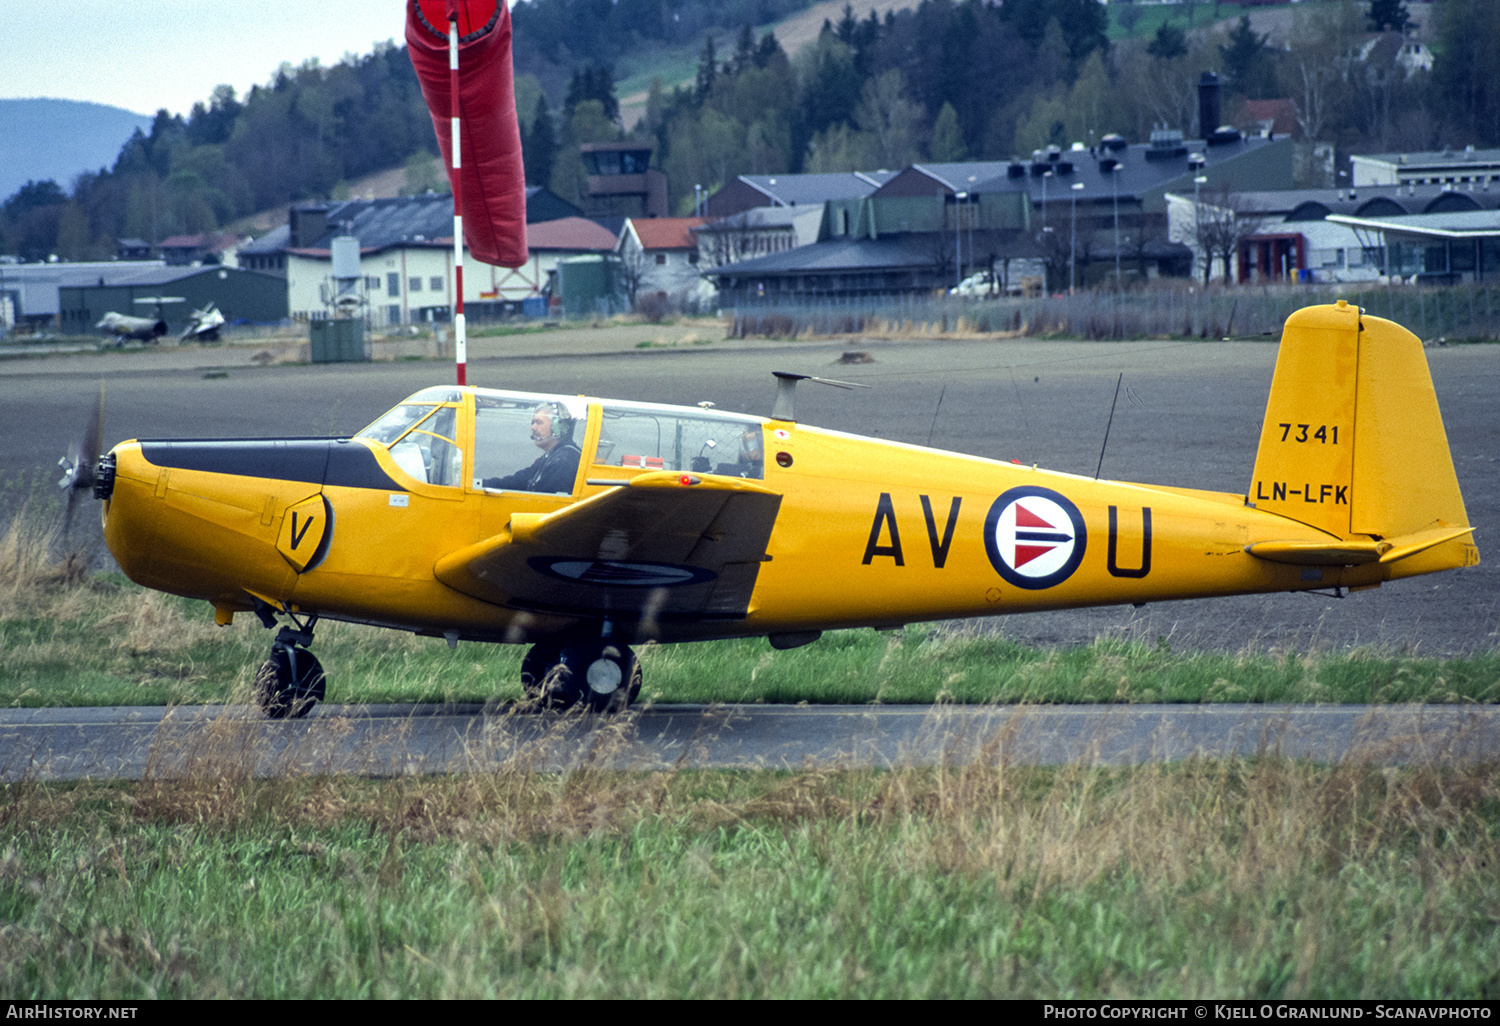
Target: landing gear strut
{"x":291,"y":681}
{"x":599,"y":673}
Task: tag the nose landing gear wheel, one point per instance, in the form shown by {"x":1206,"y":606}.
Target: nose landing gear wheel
{"x":604,"y":676}
{"x":290,"y":683}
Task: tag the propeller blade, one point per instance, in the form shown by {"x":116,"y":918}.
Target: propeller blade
{"x":93,"y":435}
{"x":82,"y":459}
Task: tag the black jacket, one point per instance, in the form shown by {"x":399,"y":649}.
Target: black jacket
{"x":555,"y":471}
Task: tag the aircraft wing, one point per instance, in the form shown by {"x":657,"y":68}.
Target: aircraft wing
{"x":663,"y":546}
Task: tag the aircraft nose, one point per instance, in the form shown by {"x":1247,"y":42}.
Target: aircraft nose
{"x":104,"y":476}
{"x":125,"y":484}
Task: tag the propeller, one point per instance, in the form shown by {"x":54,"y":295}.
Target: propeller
{"x":79,"y":465}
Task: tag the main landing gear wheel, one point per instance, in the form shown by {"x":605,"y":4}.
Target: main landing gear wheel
{"x":600,"y":674}
{"x":291,"y":682}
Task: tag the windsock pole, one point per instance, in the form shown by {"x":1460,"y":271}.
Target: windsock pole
{"x":460,"y":335}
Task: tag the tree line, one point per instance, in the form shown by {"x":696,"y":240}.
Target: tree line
{"x":947,"y":80}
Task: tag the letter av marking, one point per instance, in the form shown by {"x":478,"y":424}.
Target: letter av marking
{"x":885,"y":513}
{"x":939,"y":548}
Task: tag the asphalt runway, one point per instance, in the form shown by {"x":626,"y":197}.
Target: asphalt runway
{"x":396,"y":740}
{"x":1189,"y":415}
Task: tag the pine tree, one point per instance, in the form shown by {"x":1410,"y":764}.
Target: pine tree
{"x":540,"y":146}
{"x":708,"y":71}
{"x":744,"y":49}
{"x":766,"y":52}
{"x":847,"y":25}
{"x":1390,"y":14}
{"x":1248,"y":61}
{"x":596,"y":82}
{"x":1170,"y":41}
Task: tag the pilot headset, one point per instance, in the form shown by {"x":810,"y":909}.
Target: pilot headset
{"x":562,"y":420}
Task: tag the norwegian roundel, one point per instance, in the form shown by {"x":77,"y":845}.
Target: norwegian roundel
{"x":1035,"y":537}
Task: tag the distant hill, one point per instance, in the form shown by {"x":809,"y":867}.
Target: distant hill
{"x":57,"y":139}
{"x":793,"y":33}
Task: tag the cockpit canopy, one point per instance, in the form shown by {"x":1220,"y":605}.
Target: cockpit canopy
{"x":679,"y":438}
{"x":502,"y":440}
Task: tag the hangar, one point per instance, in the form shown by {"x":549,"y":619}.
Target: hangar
{"x":172,"y":294}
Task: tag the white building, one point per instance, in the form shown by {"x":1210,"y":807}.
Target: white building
{"x":660,"y":261}
{"x":757,"y":232}
{"x":1337,"y":235}
{"x":406,"y":260}
{"x":1454,"y":169}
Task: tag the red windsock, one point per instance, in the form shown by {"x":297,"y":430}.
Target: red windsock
{"x":492,"y":190}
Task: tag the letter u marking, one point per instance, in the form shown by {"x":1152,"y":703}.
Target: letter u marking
{"x":1113,"y":562}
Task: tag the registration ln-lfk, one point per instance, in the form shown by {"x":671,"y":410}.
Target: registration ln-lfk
{"x":683,"y":524}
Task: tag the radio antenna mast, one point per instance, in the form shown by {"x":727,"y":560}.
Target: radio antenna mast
{"x":1108,"y":424}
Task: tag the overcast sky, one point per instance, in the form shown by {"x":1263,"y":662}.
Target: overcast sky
{"x":172,"y":53}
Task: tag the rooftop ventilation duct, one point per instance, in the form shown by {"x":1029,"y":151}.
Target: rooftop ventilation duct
{"x":1208,"y":103}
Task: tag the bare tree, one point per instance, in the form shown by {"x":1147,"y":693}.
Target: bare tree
{"x":1056,"y":253}
{"x":1163,"y":92}
{"x":729,"y":239}
{"x":1222,"y":220}
{"x":1320,"y":54}
{"x":942,"y":252}
{"x":1143,"y":236}
{"x":634,"y":265}
{"x":893,"y":121}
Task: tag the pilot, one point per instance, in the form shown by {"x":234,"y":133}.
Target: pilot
{"x":752,"y":452}
{"x":752,"y":456}
{"x":556,"y":469}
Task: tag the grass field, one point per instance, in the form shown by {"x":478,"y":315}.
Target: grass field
{"x":1247,"y":879}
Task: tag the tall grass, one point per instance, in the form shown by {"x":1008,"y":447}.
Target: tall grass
{"x":1264,"y":878}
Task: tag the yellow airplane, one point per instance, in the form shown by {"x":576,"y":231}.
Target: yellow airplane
{"x":582,"y":526}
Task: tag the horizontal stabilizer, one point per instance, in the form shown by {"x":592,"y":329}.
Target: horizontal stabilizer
{"x":1354,"y":553}
{"x":1330,"y":553}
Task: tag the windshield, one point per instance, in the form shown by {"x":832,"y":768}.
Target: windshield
{"x":395,"y":423}
{"x":422,"y":439}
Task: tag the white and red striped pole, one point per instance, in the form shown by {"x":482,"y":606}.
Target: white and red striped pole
{"x":460,"y":334}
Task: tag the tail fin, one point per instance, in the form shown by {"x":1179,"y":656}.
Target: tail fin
{"x":1353,"y":441}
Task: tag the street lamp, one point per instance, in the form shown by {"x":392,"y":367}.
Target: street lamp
{"x":1114,"y":173}
{"x":1045,"y":175}
{"x":1077,"y":187}
{"x":1198,"y":182}
{"x":958,"y":238}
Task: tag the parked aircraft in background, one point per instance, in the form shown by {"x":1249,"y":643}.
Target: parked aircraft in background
{"x":203,"y":325}
{"x":123,"y":326}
